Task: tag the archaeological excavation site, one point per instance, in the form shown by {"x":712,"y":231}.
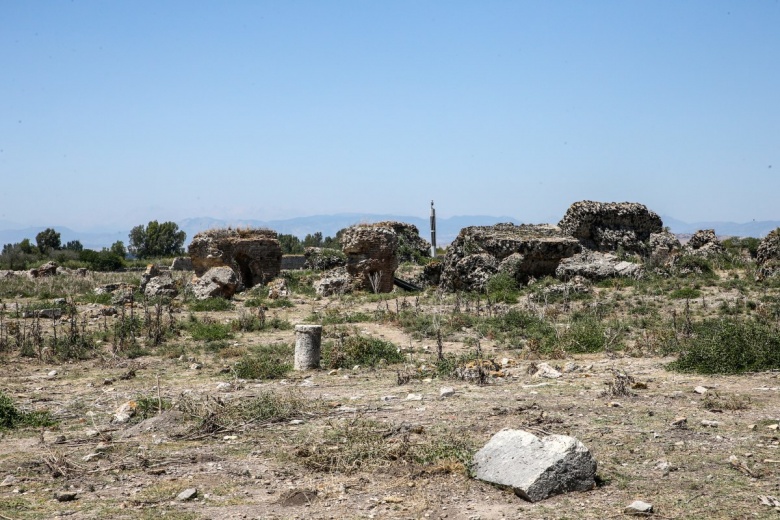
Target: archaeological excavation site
{"x":596,"y":367}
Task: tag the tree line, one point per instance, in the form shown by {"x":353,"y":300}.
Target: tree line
{"x":154,"y":240}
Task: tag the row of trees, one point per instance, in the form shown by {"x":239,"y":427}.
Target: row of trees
{"x":155,"y":240}
{"x":292,"y":245}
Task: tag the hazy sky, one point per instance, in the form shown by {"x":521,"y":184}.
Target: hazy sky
{"x":117,"y":113}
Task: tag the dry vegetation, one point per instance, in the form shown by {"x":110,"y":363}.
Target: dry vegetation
{"x":216,"y":407}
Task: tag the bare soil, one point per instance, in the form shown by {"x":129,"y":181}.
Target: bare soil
{"x":135,"y":470}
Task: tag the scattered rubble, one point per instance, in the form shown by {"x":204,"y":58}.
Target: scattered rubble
{"x":703,"y":243}
{"x":372,"y":258}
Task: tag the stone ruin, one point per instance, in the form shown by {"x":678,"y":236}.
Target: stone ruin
{"x":524,"y":251}
{"x":608,"y":226}
{"x":254,"y":255}
{"x":411,"y":245}
{"x":768,"y":256}
{"x":704,"y":243}
{"x":372,"y":258}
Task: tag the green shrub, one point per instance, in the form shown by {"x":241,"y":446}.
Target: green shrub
{"x":101,"y":260}
{"x":729,"y":346}
{"x":360,"y":350}
{"x":209,"y":330}
{"x":685,"y":293}
{"x":695,"y":265}
{"x":502,"y":287}
{"x":211,"y":304}
{"x":11,"y":417}
{"x":272,"y":361}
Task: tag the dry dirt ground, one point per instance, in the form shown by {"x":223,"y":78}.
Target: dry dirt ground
{"x":314,"y":466}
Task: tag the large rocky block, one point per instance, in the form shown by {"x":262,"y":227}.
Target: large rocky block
{"x":704,"y":243}
{"x":597,"y":266}
{"x":536,"y":468}
{"x":217,"y":282}
{"x":768,"y":256}
{"x":523,"y":251}
{"x":254,"y":254}
{"x":607,"y":226}
{"x":371,"y":256}
{"x":411,"y":246}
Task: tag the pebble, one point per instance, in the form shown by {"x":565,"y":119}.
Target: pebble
{"x":8,"y":481}
{"x":711,"y":424}
{"x":414,"y":397}
{"x":53,"y":373}
{"x":680,"y":421}
{"x":700,"y":390}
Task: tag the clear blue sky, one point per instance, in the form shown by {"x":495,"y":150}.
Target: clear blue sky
{"x":116,"y":113}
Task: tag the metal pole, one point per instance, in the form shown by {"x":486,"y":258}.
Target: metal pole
{"x":433,"y":231}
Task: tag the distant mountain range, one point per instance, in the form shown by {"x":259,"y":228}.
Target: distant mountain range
{"x":446,"y":228}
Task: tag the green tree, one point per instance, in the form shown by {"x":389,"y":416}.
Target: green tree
{"x":290,"y":244}
{"x":47,"y":240}
{"x":118,"y":248}
{"x":73,"y":245}
{"x":157,"y":240}
{"x":26,"y":247}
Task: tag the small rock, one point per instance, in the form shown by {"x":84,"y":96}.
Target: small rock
{"x":711,"y":424}
{"x":333,"y":372}
{"x":196,"y":366}
{"x":571,"y":367}
{"x":545,"y":370}
{"x":446,"y":391}
{"x":637,"y":507}
{"x":295,"y":422}
{"x":59,"y":439}
{"x":773,"y":426}
{"x":615,"y":404}
{"x":680,"y":422}
{"x":53,"y":373}
{"x":91,"y":456}
{"x":224,"y":386}
{"x":65,"y":496}
{"x":124,"y":412}
{"x":8,"y":481}
{"x":701,"y":390}
{"x":388,"y":397}
{"x":414,"y":397}
{"x":187,"y":494}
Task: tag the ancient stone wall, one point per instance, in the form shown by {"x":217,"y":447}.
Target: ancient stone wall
{"x":524,"y":251}
{"x":411,"y":245}
{"x":254,"y":254}
{"x":607,"y":226}
{"x":768,"y":256}
{"x":371,"y":256}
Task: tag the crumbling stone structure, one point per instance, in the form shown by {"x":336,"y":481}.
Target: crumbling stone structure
{"x":768,"y":256}
{"x":704,"y":243}
{"x":371,"y":256}
{"x":411,"y":245}
{"x":254,"y":254}
{"x":607,"y":226}
{"x":524,"y":251}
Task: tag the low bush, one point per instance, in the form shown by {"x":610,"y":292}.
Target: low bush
{"x":360,"y":350}
{"x":272,"y":361}
{"x":12,"y":417}
{"x":211,"y":304}
{"x":209,"y":330}
{"x":729,"y":346}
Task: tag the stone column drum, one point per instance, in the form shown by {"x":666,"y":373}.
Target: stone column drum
{"x":308,"y":339}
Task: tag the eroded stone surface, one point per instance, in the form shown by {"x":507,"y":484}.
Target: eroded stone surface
{"x":254,"y":254}
{"x":371,"y":256}
{"x":607,"y":226}
{"x":536,"y":468}
{"x":768,"y":256}
{"x":703,"y":243}
{"x":523,"y":252}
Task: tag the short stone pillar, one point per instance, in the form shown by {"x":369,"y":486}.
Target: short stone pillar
{"x":308,"y":339}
